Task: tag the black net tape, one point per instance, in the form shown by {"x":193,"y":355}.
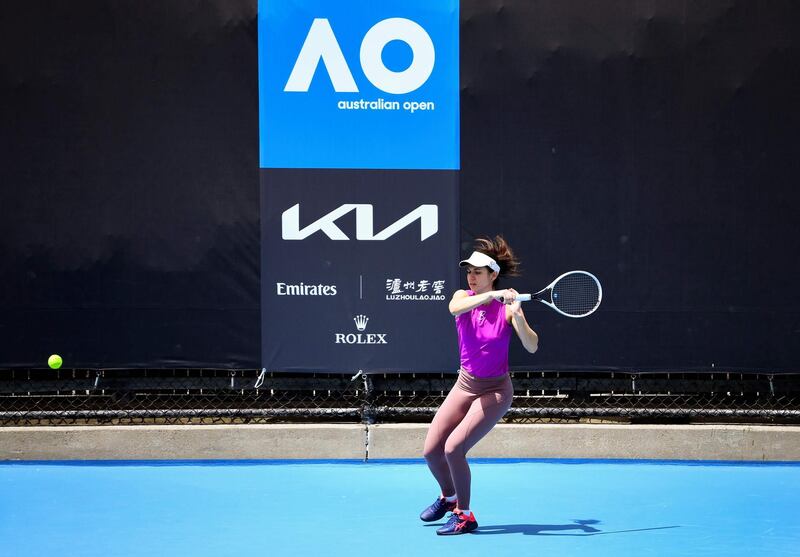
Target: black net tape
{"x":203,"y":396}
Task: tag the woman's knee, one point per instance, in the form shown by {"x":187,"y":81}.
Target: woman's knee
{"x":432,"y":452}
{"x":434,"y":446}
{"x":454,"y":449}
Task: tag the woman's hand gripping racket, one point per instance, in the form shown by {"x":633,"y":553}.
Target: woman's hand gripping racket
{"x":574,"y":294}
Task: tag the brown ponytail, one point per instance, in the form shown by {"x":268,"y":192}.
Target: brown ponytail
{"x":499,"y":250}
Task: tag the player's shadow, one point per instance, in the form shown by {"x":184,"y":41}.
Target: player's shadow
{"x":576,"y":528}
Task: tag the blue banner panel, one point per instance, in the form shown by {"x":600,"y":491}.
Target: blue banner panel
{"x":358,"y":269}
{"x":359,"y":84}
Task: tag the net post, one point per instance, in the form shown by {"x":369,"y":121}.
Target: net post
{"x":367,"y":409}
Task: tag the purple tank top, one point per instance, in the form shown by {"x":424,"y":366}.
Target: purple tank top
{"x":483,"y":338}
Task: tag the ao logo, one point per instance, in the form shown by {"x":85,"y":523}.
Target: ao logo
{"x":321,"y":44}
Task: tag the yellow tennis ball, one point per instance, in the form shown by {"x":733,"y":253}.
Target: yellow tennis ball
{"x":55,"y":361}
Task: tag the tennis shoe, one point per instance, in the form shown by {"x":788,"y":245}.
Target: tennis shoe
{"x":458,"y":524}
{"x":437,"y":510}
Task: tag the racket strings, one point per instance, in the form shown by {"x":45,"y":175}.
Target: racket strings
{"x":576,"y":294}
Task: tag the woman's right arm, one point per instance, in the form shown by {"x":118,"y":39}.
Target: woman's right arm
{"x":463,"y":302}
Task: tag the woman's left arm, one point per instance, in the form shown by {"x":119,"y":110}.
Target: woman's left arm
{"x":529,"y":338}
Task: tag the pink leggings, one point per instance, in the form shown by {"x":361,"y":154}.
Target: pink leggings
{"x":469,"y":412}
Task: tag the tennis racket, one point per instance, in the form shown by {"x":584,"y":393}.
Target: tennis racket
{"x":574,"y":294}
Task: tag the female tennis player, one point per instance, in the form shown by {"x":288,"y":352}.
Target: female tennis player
{"x":482,"y":394}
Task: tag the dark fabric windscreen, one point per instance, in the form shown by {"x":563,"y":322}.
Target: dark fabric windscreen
{"x":129,"y":225}
{"x":653,"y":144}
{"x":142,"y":209}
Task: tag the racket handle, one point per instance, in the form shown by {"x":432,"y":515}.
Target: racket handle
{"x":519,"y":298}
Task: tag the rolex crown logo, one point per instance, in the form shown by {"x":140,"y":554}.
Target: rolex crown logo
{"x":361,"y":322}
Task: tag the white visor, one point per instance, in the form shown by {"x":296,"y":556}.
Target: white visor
{"x":478,"y":259}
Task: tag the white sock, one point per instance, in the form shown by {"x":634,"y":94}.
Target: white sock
{"x":451,"y":499}
{"x":466,"y":512}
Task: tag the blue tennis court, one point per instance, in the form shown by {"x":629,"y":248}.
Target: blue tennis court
{"x":552,"y":507}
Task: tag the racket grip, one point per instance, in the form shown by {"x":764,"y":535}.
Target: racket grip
{"x":519,"y":298}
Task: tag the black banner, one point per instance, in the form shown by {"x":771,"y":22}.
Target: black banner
{"x":358,"y":269}
{"x":359,"y":184}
